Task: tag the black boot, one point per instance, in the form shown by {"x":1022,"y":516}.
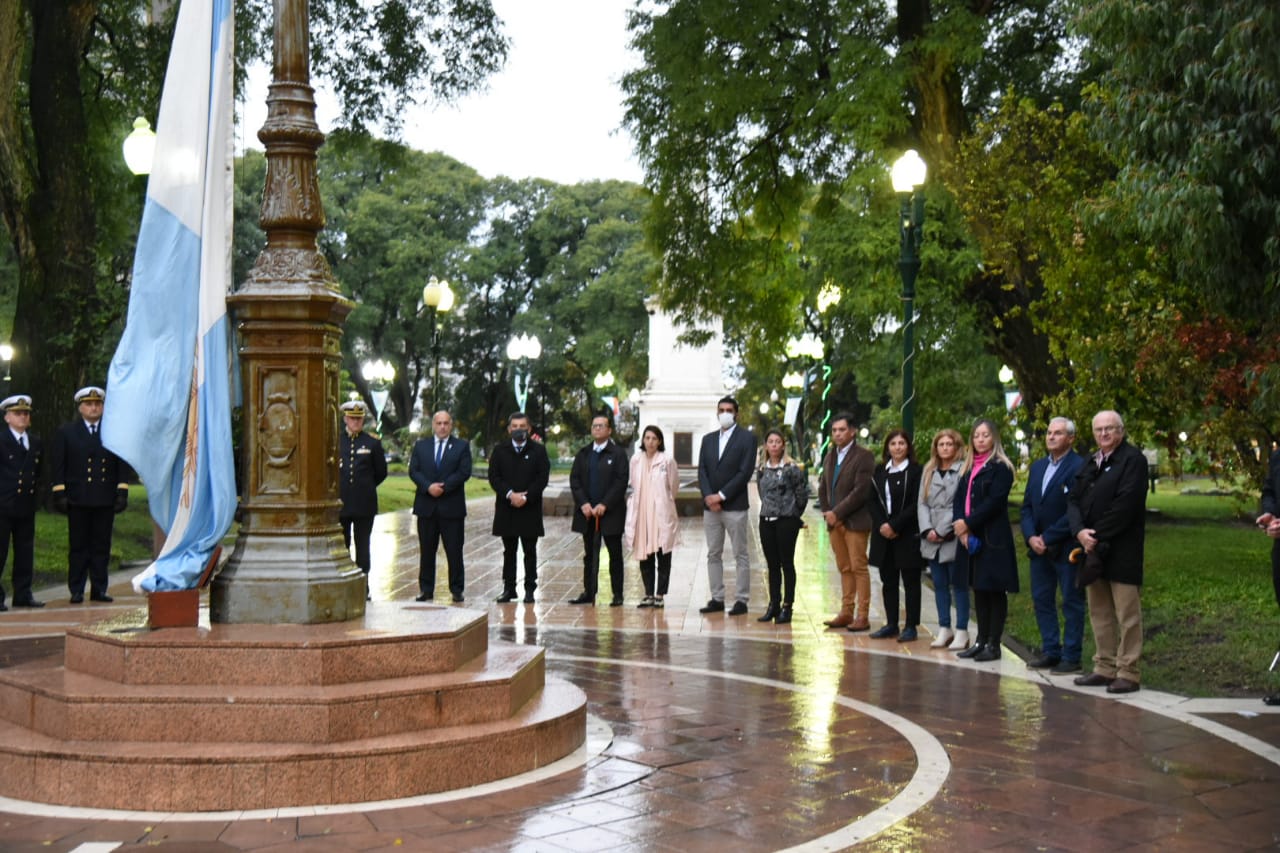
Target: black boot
{"x":991,"y":651}
{"x":784,"y":615}
{"x":972,"y":651}
{"x":770,"y":612}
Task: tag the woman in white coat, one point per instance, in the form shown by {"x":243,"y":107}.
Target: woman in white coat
{"x":652,"y":522}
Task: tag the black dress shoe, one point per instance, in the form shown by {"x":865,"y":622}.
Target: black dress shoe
{"x":528,"y":598}
{"x":78,"y":598}
{"x":457,"y":599}
{"x":784,"y":616}
{"x":991,"y":651}
{"x":584,"y":599}
{"x":1273,"y":699}
{"x":1043,"y":662}
{"x":30,"y":602}
{"x":770,"y":613}
{"x":712,"y":606}
{"x":1123,"y":685}
{"x":972,"y":651}
{"x":908,"y":635}
{"x":885,"y":633}
{"x":1066,"y":667}
{"x":419,"y":598}
{"x":617,"y":602}
{"x":739,"y":608}
{"x":104,"y":598}
{"x":505,"y":597}
{"x":3,"y":607}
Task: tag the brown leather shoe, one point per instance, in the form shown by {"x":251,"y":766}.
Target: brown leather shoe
{"x":1123,"y":685}
{"x":863,"y":624}
{"x":840,"y":620}
{"x":1093,"y":679}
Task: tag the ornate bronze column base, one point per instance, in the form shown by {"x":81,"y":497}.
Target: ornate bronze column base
{"x":275,"y":579}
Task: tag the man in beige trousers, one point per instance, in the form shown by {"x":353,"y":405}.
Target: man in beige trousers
{"x":844,"y":491}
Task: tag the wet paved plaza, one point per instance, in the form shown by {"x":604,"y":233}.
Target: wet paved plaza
{"x":717,"y":732}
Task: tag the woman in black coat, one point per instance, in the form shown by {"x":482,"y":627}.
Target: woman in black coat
{"x":986,"y":536}
{"x":895,"y":534}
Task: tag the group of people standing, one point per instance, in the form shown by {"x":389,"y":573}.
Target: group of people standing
{"x":90,"y":486}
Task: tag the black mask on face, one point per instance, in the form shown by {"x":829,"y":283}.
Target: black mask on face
{"x":519,"y":436}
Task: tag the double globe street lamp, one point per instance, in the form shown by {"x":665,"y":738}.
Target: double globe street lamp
{"x":437,"y":296}
{"x":522,"y":349}
{"x":378,"y":373}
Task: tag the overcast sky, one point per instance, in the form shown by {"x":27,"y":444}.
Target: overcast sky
{"x":554,"y":111}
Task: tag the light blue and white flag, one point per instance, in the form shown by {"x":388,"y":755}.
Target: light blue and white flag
{"x":168,"y":407}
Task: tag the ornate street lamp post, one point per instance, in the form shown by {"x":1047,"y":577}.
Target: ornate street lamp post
{"x":522,"y":349}
{"x":437,"y":296}
{"x":378,"y":373}
{"x":908,"y":175}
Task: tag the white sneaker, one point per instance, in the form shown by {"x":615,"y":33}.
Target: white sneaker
{"x":944,"y":637}
{"x":960,"y":642}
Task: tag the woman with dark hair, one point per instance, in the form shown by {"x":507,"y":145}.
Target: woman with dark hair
{"x":982,"y":525}
{"x":650,"y":531}
{"x":784,"y":491}
{"x":895,"y":534}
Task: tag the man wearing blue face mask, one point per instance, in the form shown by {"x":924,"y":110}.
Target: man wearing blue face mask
{"x":518,"y":471}
{"x":725,"y":464}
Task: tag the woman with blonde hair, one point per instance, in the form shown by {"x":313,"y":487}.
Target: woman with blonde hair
{"x":986,"y":553}
{"x":652,"y":522}
{"x":784,"y":491}
{"x":938,"y":541}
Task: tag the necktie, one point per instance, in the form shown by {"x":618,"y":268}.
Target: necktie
{"x":22,"y":439}
{"x":439,"y":451}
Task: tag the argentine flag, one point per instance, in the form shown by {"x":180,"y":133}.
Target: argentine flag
{"x":168,"y":408}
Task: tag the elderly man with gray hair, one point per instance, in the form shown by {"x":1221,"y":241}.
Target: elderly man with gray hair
{"x":1047,"y":532}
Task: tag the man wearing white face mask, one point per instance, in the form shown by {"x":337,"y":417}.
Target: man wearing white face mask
{"x":725,"y":464}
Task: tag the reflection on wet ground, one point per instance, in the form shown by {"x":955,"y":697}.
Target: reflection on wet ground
{"x":729,"y":732}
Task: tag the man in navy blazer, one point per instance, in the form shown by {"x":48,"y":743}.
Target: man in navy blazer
{"x":1047,"y":532}
{"x":440,"y":467}
{"x":725,"y":463}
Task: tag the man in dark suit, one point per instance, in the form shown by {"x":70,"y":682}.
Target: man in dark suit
{"x":725,"y":463}
{"x":91,"y":485}
{"x":1269,"y":523}
{"x":20,"y":456}
{"x":1107,"y":510}
{"x":1047,"y":532}
{"x":362,"y":466}
{"x":598,"y":481}
{"x":844,"y":494}
{"x":440,"y":467}
{"x":518,"y":471}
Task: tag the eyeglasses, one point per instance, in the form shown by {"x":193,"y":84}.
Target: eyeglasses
{"x":1103,"y":430}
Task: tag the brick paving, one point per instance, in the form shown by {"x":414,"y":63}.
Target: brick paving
{"x":722,"y":731}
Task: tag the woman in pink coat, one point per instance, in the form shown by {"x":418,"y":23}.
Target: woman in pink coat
{"x":651,"y":513}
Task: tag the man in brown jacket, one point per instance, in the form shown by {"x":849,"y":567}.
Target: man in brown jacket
{"x":843,"y":494}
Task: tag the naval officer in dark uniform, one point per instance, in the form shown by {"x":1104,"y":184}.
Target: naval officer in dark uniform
{"x":91,"y":485}
{"x":20,"y":455}
{"x":363,"y":466}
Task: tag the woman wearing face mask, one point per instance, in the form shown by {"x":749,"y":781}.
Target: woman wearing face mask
{"x":784,"y":491}
{"x":650,"y":531}
{"x":895,"y":543}
{"x":986,"y":551}
{"x":937,"y":539}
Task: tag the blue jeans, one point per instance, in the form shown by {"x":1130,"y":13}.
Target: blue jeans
{"x":1047,"y":577}
{"x":946,"y":578}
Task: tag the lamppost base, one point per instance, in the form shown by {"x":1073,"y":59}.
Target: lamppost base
{"x":293,"y":579}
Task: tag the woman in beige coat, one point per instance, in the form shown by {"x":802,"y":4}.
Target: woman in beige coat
{"x":651,"y":513}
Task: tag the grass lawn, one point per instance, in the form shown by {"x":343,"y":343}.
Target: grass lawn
{"x":1210,"y":622}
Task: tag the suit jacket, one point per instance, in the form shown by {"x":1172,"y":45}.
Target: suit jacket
{"x":903,"y":518}
{"x":1112,"y":500}
{"x":362,"y":465}
{"x":995,"y":566}
{"x":728,"y":474}
{"x":526,"y":471}
{"x":1271,"y":487}
{"x":19,"y":472}
{"x":90,"y":474}
{"x":1044,"y":513}
{"x":612,"y":476}
{"x":454,"y":471}
{"x":848,"y":498}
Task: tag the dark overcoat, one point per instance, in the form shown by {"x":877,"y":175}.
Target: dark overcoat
{"x":995,"y":566}
{"x":613,"y":475}
{"x":1112,"y":501}
{"x":90,"y":474}
{"x":903,"y":551}
{"x":362,"y":466}
{"x":526,"y":471}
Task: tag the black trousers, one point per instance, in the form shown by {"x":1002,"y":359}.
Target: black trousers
{"x":591,"y":563}
{"x":663,"y":559}
{"x":890,"y":573}
{"x":89,"y":547}
{"x":359,"y":528}
{"x":778,"y":541}
{"x":22,"y":531}
{"x":530,"y":546}
{"x":992,"y":609}
{"x":431,"y":530}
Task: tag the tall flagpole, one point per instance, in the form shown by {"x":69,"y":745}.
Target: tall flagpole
{"x":289,"y":563}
